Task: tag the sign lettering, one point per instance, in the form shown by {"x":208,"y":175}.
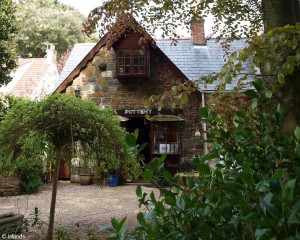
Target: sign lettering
{"x":137,"y":111}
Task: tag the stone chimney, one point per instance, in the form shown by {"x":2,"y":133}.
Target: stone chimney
{"x":50,"y":54}
{"x":197,"y":30}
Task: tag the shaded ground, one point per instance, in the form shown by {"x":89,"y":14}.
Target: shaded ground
{"x":80,"y":210}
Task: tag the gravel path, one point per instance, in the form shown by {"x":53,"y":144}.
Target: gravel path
{"x":80,"y":210}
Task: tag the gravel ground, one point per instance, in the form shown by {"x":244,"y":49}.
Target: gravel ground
{"x":80,"y":210}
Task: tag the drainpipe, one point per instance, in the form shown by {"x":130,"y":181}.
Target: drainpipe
{"x":204,"y":127}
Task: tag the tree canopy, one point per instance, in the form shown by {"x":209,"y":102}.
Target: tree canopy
{"x":39,"y":25}
{"x":8,"y":29}
{"x":231,"y":18}
{"x":64,"y":119}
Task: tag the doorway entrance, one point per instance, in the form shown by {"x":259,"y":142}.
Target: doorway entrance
{"x":144,"y":133}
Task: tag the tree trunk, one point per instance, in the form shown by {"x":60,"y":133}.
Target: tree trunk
{"x":54,"y":192}
{"x":278,"y":13}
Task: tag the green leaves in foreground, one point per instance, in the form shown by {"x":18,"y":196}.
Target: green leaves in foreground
{"x":247,"y":187}
{"x":118,"y":228}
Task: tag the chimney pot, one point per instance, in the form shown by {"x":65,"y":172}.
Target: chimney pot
{"x":51,"y":54}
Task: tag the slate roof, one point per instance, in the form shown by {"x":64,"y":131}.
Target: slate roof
{"x":79,"y":51}
{"x":197,"y":61}
{"x":194,"y":61}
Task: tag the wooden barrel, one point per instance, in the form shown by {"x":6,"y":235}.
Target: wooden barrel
{"x":85,"y":179}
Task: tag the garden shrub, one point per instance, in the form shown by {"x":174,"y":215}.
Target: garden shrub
{"x":30,"y":181}
{"x":6,"y":164}
{"x":252,"y":192}
{"x":26,"y":157}
{"x":32,"y":156}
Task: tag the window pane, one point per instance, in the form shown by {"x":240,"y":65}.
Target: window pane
{"x":124,"y":61}
{"x":131,"y":61}
{"x":121,"y":61}
{"x":155,"y":150}
{"x":141,"y":61}
{"x":135,"y":69}
{"x":162,"y":148}
{"x":141,"y":70}
{"x":135,"y":61}
{"x":127,"y":70}
{"x":127,"y":61}
{"x":124,"y":53}
{"x":139,"y":53}
{"x":127,"y":53}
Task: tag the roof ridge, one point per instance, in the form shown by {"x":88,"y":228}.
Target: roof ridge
{"x":168,"y":39}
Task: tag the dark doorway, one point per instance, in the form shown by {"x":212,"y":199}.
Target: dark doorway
{"x":144,"y":133}
{"x":64,"y":170}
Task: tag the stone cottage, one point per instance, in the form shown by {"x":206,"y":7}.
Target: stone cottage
{"x":125,"y":75}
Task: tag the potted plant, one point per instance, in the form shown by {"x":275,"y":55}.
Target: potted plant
{"x":113,"y":168}
{"x":85,"y":174}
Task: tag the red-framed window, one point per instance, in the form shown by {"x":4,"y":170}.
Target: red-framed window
{"x":132,"y":63}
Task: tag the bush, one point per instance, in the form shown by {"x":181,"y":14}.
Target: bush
{"x":30,"y":181}
{"x":252,"y":192}
{"x":27,"y":156}
{"x":6,"y":164}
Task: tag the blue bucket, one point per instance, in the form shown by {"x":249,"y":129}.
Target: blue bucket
{"x":113,"y":180}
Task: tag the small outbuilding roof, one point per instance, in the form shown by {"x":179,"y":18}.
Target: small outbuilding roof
{"x":34,"y":77}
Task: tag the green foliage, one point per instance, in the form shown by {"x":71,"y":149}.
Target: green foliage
{"x":7,"y":165}
{"x":73,"y":119}
{"x":8,"y":29}
{"x":33,"y":220}
{"x":135,"y":149}
{"x":61,"y":234}
{"x":27,"y":156}
{"x":6,"y":104}
{"x":28,"y":160}
{"x":118,"y":228}
{"x":169,"y":16}
{"x":247,"y":186}
{"x":273,"y":57}
{"x":30,"y":181}
{"x":277,"y":51}
{"x":125,"y":166}
{"x":32,"y":156}
{"x":36,"y":126}
{"x":112,"y":163}
{"x":61,"y":26}
{"x":63,"y":120}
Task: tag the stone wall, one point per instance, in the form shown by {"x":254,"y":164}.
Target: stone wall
{"x":98,"y":82}
{"x":10,"y":186}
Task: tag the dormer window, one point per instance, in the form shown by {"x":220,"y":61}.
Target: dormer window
{"x":132,"y":57}
{"x":132,"y":63}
